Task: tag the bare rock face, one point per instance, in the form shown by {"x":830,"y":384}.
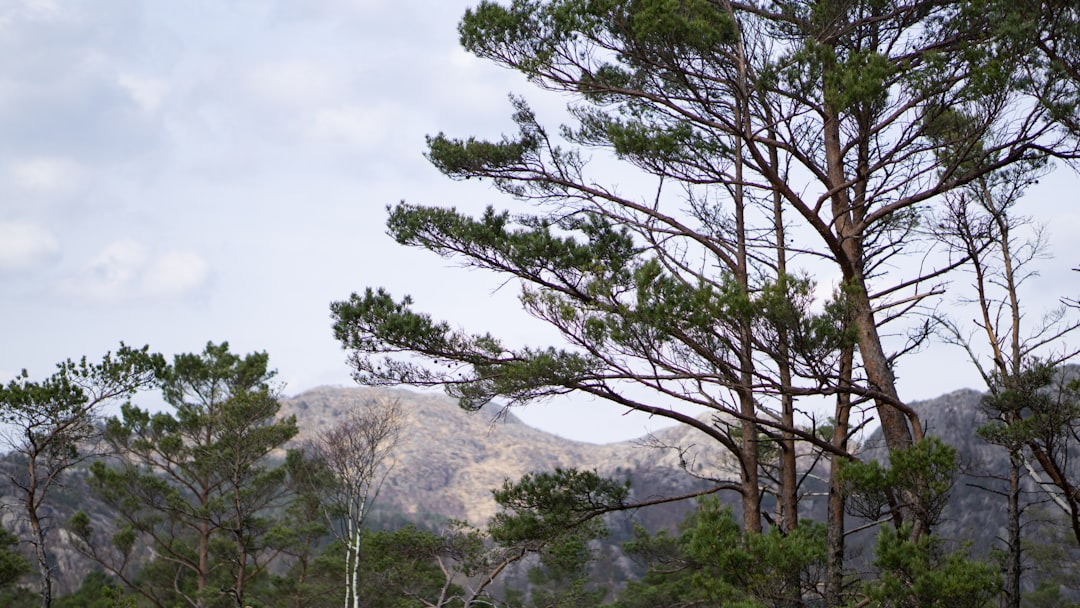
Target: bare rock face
{"x":449,"y":460}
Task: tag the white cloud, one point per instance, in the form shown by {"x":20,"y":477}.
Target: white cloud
{"x":147,"y":93}
{"x":353,"y":125}
{"x":321,"y":9}
{"x":24,"y":245}
{"x":128,"y":270}
{"x":44,"y":10}
{"x":295,"y":83}
{"x":174,"y":274}
{"x":48,"y":176}
{"x":114,"y":270}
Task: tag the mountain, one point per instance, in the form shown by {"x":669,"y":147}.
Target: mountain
{"x":975,"y":517}
{"x":974,"y":513}
{"x":449,"y":460}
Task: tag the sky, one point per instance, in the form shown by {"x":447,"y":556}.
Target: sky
{"x":173,"y":173}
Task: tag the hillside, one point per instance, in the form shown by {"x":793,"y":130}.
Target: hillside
{"x":450,"y":460}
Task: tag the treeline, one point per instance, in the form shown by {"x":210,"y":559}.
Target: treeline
{"x":201,"y":504}
{"x":203,"y":507}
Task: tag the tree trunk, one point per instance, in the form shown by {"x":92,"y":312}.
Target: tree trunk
{"x":834,"y":565}
{"x":849,"y":228}
{"x":751,"y":492}
{"x":354,"y":576}
{"x":348,"y":567}
{"x":37,"y":531}
{"x":204,"y":563}
{"x":1015,"y":550}
{"x":789,"y":484}
{"x":751,"y":488}
{"x":241,"y":572}
{"x":40,"y":553}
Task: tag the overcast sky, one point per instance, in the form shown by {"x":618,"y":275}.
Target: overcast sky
{"x":178,"y":172}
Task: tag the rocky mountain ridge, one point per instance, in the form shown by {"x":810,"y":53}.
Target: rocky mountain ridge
{"x":449,"y":460}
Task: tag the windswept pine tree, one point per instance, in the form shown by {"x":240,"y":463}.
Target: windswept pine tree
{"x":780,"y":138}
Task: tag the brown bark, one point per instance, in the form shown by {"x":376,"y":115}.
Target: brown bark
{"x":1070,"y":493}
{"x":1013,"y":565}
{"x":202,"y":579}
{"x":834,"y":565}
{"x":37,"y":531}
{"x":751,"y":485}
{"x":848,"y":222}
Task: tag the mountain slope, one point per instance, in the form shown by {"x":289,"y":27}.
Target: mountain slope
{"x":449,"y":460}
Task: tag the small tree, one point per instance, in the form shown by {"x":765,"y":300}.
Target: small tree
{"x":51,"y":426}
{"x":358,"y":454}
{"x":552,"y":516}
{"x":920,"y":573}
{"x":925,"y":474}
{"x":915,"y":568}
{"x":1042,"y":409}
{"x":303,"y":529}
{"x":1015,"y":356}
{"x":12,"y":565}
{"x":711,"y":562}
{"x":194,"y":484}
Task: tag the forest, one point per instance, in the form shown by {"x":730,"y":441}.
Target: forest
{"x":888,"y":143}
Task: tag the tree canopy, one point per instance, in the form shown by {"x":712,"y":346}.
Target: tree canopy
{"x":778,"y":143}
{"x":781,"y":139}
{"x":194,"y":484}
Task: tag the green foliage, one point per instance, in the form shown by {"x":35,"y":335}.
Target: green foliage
{"x":405,"y":564}
{"x":303,"y":526}
{"x":595,"y":283}
{"x":402,"y":568}
{"x":19,"y":597}
{"x":1050,"y":553}
{"x":1046,"y":595}
{"x":98,"y":590}
{"x":561,"y":591}
{"x":555,"y":515}
{"x":475,"y":367}
{"x":924,"y":473}
{"x":316,"y":584}
{"x":697,"y":25}
{"x":460,"y":159}
{"x":868,"y":488}
{"x":195,"y":484}
{"x":649,"y":144}
{"x":77,"y":386}
{"x":51,"y":418}
{"x":50,"y":423}
{"x":463,"y":158}
{"x":13,"y":565}
{"x":782,"y":311}
{"x":713,"y":563}
{"x":541,"y":507}
{"x":1037,"y":404}
{"x":862,"y":80}
{"x":921,"y":574}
